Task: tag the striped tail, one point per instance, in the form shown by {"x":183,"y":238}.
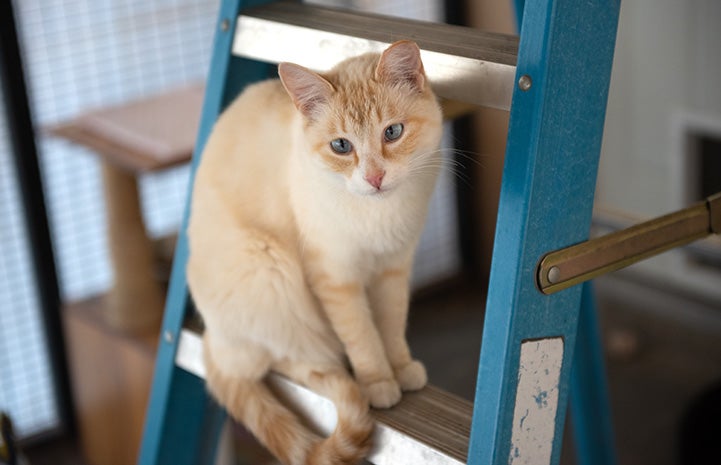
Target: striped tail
{"x":252,"y":403}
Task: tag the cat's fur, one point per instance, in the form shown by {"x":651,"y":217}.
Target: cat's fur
{"x":300,"y":257}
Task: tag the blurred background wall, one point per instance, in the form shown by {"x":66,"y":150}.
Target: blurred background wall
{"x":664,"y":96}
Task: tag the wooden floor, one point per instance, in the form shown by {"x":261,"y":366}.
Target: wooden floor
{"x":59,"y":451}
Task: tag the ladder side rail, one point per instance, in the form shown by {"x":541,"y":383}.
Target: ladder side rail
{"x":178,"y":428}
{"x":518,"y":7}
{"x":557,"y":116}
{"x":588,"y":399}
{"x":589,"y":404}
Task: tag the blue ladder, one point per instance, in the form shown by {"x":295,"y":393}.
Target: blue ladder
{"x":527,"y":368}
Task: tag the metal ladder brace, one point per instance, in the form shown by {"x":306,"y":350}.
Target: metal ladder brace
{"x":559,"y":88}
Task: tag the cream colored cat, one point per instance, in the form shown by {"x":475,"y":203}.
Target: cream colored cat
{"x":307,"y":207}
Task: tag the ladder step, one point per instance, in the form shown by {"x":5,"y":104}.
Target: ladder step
{"x":429,"y":426}
{"x":464,"y":64}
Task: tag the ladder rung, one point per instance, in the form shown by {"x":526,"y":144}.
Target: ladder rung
{"x":463,"y":64}
{"x":430,"y":426}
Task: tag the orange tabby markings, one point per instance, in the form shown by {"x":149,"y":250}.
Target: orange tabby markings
{"x":336,"y":293}
{"x":394,"y":272}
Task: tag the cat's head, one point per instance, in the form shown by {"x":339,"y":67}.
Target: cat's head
{"x":373,"y":120}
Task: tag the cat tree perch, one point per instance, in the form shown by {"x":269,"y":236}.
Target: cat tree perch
{"x":132,"y":139}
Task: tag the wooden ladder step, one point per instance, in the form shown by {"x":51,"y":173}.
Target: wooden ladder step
{"x":464,"y":64}
{"x":427,"y":427}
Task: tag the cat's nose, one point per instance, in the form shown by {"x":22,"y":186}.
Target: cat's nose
{"x":375,"y":178}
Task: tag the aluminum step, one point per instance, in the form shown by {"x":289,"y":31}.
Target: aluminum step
{"x":429,"y":427}
{"x":463,"y":64}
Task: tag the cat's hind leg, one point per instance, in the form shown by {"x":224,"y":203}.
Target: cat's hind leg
{"x":249,"y":286}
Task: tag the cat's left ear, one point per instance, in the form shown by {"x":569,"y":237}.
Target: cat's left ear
{"x":401,"y":64}
{"x":308,"y":90}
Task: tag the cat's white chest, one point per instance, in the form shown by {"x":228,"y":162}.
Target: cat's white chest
{"x":385,"y":228}
{"x":362,"y":232}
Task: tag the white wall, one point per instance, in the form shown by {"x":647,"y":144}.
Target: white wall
{"x":667,"y":72}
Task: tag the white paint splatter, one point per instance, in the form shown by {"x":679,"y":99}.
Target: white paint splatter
{"x":534,"y":415}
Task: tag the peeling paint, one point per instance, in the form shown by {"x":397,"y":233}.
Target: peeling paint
{"x":534,"y":415}
{"x":523,"y":418}
{"x":541,"y":399}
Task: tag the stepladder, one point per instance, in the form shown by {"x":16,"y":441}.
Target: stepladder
{"x":554,"y":80}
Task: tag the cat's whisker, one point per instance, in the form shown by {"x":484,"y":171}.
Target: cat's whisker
{"x":449,"y":152}
{"x":452,"y":166}
{"x":425,"y":157}
{"x":463,"y":157}
{"x":432,"y":164}
{"x":466,"y":155}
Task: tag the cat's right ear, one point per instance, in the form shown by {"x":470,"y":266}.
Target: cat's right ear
{"x":308,"y":90}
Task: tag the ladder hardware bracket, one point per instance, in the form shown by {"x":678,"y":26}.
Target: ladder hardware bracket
{"x":573,"y":265}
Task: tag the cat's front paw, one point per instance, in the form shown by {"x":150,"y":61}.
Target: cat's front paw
{"x":383,"y":394}
{"x":412,"y":376}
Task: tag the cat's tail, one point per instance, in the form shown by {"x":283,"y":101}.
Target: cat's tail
{"x":351,"y":440}
{"x":277,"y":428}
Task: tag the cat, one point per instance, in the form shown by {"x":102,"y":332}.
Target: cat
{"x":307,"y":206}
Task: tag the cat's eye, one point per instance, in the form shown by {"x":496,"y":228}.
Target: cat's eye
{"x":341,"y":146}
{"x":393,"y":132}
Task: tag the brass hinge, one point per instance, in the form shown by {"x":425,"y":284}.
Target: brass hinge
{"x":572,"y":265}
